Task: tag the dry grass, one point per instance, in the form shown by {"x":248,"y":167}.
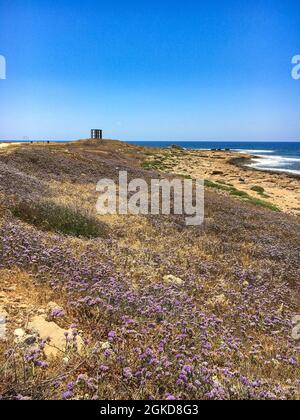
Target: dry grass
{"x":67,"y":220}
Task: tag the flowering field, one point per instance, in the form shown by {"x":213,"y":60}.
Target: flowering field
{"x":165,"y":311}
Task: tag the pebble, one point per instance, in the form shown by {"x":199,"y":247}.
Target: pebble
{"x":170,"y":279}
{"x":19,"y":332}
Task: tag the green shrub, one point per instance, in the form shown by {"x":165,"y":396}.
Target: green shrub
{"x":263,"y":203}
{"x":217,"y":186}
{"x":147,"y":165}
{"x":154,"y":165}
{"x":238,"y":193}
{"x":58,"y":218}
{"x":259,"y":190}
{"x":185,"y":176}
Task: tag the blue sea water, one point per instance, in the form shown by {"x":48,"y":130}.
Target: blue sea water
{"x":280,"y":156}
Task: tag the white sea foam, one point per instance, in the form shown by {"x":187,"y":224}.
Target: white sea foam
{"x":275,"y":163}
{"x":275,"y":160}
{"x":289,"y":171}
{"x":251,"y":152}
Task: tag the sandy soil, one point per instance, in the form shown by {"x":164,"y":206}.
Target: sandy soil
{"x":281,"y":189}
{"x":6,"y":145}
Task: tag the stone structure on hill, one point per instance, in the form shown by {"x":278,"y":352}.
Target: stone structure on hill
{"x":96,"y":134}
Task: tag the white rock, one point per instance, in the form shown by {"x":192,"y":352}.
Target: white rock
{"x":45,"y":330}
{"x":53,"y":305}
{"x":170,"y":279}
{"x":24,"y":339}
{"x":219,"y":301}
{"x":105,"y":345}
{"x":3,"y":321}
{"x":19,"y":332}
{"x":3,"y":312}
{"x":41,"y":311}
{"x":9,"y":288}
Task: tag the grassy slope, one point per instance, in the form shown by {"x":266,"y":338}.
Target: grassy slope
{"x":225,"y":334}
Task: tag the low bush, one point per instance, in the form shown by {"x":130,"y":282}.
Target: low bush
{"x":58,"y":218}
{"x":263,"y":203}
{"x":259,"y":190}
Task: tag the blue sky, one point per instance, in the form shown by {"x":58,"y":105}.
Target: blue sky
{"x":150,"y":70}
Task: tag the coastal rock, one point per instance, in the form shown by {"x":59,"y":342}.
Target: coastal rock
{"x":9,"y":288}
{"x":219,"y":301}
{"x":24,"y":339}
{"x":53,"y":305}
{"x":23,"y":306}
{"x":41,"y":312}
{"x":2,"y":296}
{"x":170,"y":279}
{"x":105,"y":345}
{"x":3,"y":316}
{"x":3,"y":312}
{"x":19,"y":333}
{"x":55,"y":335}
{"x":176,"y":147}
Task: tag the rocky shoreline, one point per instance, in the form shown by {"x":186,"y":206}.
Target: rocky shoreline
{"x":245,"y":162}
{"x":230,"y":169}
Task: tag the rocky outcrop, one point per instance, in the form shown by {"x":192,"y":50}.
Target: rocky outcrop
{"x":3,"y":320}
{"x":170,"y":279}
{"x":23,"y":339}
{"x":57,"y":338}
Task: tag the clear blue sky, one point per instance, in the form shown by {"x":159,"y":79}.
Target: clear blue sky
{"x":150,"y":70}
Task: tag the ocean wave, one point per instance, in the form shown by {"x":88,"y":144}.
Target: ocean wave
{"x":275,"y":160}
{"x":248,"y":151}
{"x":276,"y":163}
{"x":275,"y":169}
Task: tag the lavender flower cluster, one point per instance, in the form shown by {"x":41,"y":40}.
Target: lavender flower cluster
{"x":165,"y":339}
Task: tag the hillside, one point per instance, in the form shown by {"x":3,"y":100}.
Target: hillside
{"x":153,"y":308}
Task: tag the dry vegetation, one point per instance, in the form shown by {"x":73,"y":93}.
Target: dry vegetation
{"x":221,"y":330}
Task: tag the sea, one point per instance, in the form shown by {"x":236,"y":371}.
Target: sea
{"x":273,"y":156}
{"x":282,"y":156}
